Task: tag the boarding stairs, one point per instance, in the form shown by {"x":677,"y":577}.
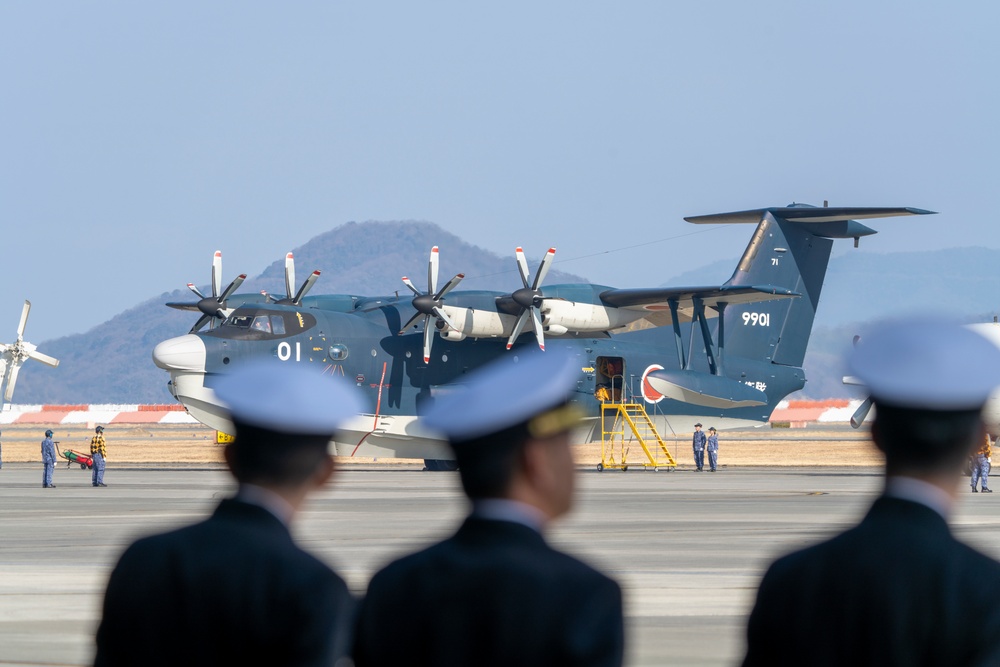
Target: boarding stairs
{"x":621,"y":420}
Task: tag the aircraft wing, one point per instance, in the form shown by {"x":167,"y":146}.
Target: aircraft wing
{"x":656,"y":300}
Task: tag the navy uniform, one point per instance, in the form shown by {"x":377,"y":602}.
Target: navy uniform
{"x":98,"y":452}
{"x":698,"y":444}
{"x":897,"y":589}
{"x":235,"y":589}
{"x":981,"y":466}
{"x":48,"y":460}
{"x":712,"y":445}
{"x":496,"y":593}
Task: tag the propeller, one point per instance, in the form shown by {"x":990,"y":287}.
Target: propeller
{"x":294,"y":299}
{"x":861,"y":413}
{"x":530,"y":297}
{"x":211,"y":307}
{"x":428,"y":304}
{"x":16,"y":353}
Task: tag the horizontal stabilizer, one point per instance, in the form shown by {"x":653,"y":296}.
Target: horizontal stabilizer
{"x":656,"y":300}
{"x":711,"y":391}
{"x":806,"y":214}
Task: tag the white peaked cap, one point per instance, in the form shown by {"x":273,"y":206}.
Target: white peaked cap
{"x":288,"y":398}
{"x":927,"y":364}
{"x":504,"y":393}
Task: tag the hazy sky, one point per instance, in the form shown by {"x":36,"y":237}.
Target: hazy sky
{"x":137,"y":138}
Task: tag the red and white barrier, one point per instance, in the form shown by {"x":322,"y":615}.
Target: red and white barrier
{"x":95,"y":414}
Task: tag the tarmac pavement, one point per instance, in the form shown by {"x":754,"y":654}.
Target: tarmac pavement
{"x":687,"y":548}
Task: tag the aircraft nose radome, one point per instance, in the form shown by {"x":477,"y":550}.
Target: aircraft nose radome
{"x":184,"y":353}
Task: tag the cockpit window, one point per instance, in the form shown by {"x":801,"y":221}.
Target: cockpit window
{"x":259,"y":323}
{"x":238,"y":321}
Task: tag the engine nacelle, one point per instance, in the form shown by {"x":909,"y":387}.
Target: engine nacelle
{"x":560,"y":316}
{"x":476,"y":323}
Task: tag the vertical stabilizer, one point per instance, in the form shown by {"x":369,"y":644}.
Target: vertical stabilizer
{"x":790,"y":249}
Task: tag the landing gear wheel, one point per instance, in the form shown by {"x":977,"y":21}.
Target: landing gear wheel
{"x":600,"y":467}
{"x":83,"y":466}
{"x":91,"y":466}
{"x":624,"y":468}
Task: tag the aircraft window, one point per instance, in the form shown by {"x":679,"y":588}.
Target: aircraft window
{"x":338,"y":352}
{"x":261,"y":323}
{"x":255,"y":324}
{"x":239,"y":321}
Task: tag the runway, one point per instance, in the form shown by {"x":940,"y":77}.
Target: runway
{"x":688,"y":548}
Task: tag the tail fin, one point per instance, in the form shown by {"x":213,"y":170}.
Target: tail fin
{"x":790,"y":249}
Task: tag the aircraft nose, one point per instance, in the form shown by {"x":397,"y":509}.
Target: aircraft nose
{"x":184,"y":353}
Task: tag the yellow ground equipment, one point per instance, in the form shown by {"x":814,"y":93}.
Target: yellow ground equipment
{"x":619,"y":420}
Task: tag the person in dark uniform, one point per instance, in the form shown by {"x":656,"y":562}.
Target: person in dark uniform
{"x":235,"y":589}
{"x":698,"y":444}
{"x":898,"y":588}
{"x":495,"y":593}
{"x":98,"y":452}
{"x":48,"y":460}
{"x":712,"y":446}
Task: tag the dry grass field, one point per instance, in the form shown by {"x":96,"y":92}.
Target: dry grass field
{"x":130,"y":445}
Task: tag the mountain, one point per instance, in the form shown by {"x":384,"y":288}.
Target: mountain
{"x":112,"y":362}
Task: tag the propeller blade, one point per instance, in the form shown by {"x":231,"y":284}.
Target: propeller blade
{"x":12,"y":372}
{"x":202,"y":321}
{"x":522,"y":265}
{"x":24,"y":319}
{"x":439,"y":312}
{"x":44,"y":358}
{"x":306,"y":286}
{"x":411,"y":322}
{"x":543,"y":269}
{"x":450,"y":286}
{"x":233,"y":286}
{"x":196,"y":290}
{"x":859,"y":415}
{"x":181,"y":306}
{"x":521,"y":321}
{"x":536,"y":322}
{"x":432,"y":271}
{"x":409,"y":283}
{"x":216,"y":273}
{"x":289,"y":275}
{"x":428,"y":339}
{"x":3,"y":370}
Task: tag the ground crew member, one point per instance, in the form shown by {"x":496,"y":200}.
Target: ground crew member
{"x":698,"y":443}
{"x":898,"y":588}
{"x":495,"y":593}
{"x":235,"y":589}
{"x":712,"y":444}
{"x":981,"y":465}
{"x":48,"y":460}
{"x":98,"y":452}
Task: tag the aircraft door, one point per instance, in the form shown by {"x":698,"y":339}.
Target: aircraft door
{"x":610,"y":379}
